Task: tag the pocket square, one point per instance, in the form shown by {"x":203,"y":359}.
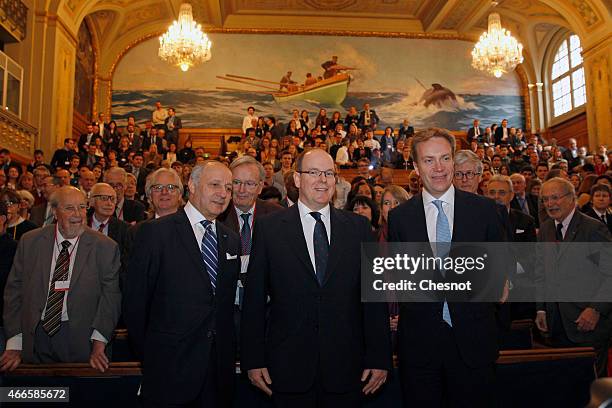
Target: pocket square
{"x":519,"y":231}
{"x":230,"y":257}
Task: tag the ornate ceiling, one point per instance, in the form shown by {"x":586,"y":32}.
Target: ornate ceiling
{"x":118,"y":24}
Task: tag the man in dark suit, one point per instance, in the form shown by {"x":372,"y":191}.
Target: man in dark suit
{"x":42,"y":214}
{"x":522,"y":201}
{"x":87,"y":139}
{"x":446,"y":349}
{"x":61,"y":157}
{"x":292,"y":192}
{"x":368,"y":117}
{"x":475,"y":132}
{"x":140,"y":173}
{"x":600,"y":205}
{"x":322,"y":346}
{"x":502,"y":133}
{"x":172,"y":123}
{"x":586,"y":322}
{"x":130,"y":211}
{"x":572,"y":154}
{"x":180,"y":297}
{"x":43,"y":324}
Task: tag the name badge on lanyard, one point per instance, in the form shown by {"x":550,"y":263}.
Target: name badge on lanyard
{"x":62,"y":286}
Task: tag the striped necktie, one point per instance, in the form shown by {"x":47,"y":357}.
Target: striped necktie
{"x":245,"y":234}
{"x":209,"y":253}
{"x":55,"y":298}
{"x":443,"y":240}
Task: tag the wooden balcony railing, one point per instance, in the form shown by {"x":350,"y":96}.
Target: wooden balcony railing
{"x":17,"y":136}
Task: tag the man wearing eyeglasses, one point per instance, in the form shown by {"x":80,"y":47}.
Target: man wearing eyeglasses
{"x":588,"y":322}
{"x":468,"y":171}
{"x":321,"y":346}
{"x":130,"y":211}
{"x":62,"y":298}
{"x":179,"y":297}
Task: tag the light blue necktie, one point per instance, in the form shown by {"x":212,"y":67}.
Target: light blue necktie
{"x":443,"y":235}
{"x":209,"y":253}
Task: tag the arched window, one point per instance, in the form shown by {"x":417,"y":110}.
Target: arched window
{"x":567,"y":77}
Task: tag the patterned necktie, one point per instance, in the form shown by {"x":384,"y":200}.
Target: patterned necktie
{"x":245,"y":234}
{"x":55,"y":298}
{"x":443,"y":240}
{"x":321,"y":247}
{"x":209,"y":253}
{"x":101,"y":228}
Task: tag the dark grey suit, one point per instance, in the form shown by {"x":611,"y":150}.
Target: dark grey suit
{"x":94,"y":299}
{"x":570,"y":265}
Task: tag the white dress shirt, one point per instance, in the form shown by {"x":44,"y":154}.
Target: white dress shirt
{"x":308,"y":225}
{"x":431,"y":211}
{"x":16,"y":342}
{"x":246,"y":122}
{"x":95,"y":224}
{"x":195,"y":217}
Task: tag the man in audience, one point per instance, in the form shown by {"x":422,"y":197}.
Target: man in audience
{"x":164,"y":190}
{"x":468,"y":171}
{"x":475,"y":132}
{"x":42,"y":214}
{"x":182,"y":327}
{"x":574,"y":324}
{"x":40,"y":173}
{"x":368,"y":118}
{"x":248,"y":119}
{"x":159,"y":116}
{"x":172,"y":125}
{"x":502,"y":133}
{"x":38,"y":323}
{"x":363,"y":169}
{"x":61,"y":157}
{"x":86,"y":182}
{"x":454,"y":349}
{"x":571,"y":154}
{"x":130,"y":211}
{"x":39,"y":160}
{"x":286,"y":166}
{"x":600,"y":205}
{"x":541,"y":171}
{"x":522,"y":201}
{"x":292,"y":192}
{"x":64,"y":176}
{"x":414,"y":184}
{"x":140,"y":173}
{"x":8,"y":246}
{"x":88,"y":156}
{"x":87,"y":139}
{"x":323,"y":362}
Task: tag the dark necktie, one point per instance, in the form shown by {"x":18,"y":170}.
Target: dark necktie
{"x":55,"y":298}
{"x":603,"y":219}
{"x":101,"y":228}
{"x":209,"y":253}
{"x":559,"y":233}
{"x":321,"y":247}
{"x":523,"y":204}
{"x":245,"y":234}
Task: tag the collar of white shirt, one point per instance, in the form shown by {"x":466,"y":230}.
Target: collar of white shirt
{"x":195,"y":216}
{"x":566,"y":221}
{"x":95,"y":224}
{"x":448,"y":197}
{"x":305,"y":211}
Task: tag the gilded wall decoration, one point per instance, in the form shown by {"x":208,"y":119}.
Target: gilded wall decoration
{"x":589,"y":16}
{"x":84,"y":73}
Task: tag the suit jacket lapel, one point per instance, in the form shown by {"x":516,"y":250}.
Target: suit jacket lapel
{"x":419,"y":226}
{"x":339,"y":229}
{"x":46,"y":257}
{"x":222,"y":250}
{"x":82,"y":254}
{"x":296,"y":238}
{"x":188,"y":241}
{"x":459,"y":217}
{"x":570,"y":234}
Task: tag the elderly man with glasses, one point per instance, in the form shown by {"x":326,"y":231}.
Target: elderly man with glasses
{"x":468,"y":171}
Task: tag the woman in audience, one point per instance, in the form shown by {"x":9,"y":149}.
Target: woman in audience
{"x":378,"y":192}
{"x":354,"y":133}
{"x":26,"y":203}
{"x":336,"y":118}
{"x":293,"y":150}
{"x":26,"y":182}
{"x":100,"y":149}
{"x":273,"y":142}
{"x":367,"y":207}
{"x":351,"y":155}
{"x":271,"y":193}
{"x":97,"y":171}
{"x":504,"y":170}
{"x":264,"y":150}
{"x":152,"y":156}
{"x":600,"y":166}
{"x":12,"y":176}
{"x":273,"y":157}
{"x":111,"y":136}
{"x":322,"y":119}
{"x":130,"y":187}
{"x":124,"y":151}
{"x":171,"y":155}
{"x":186,"y":154}
{"x":360,"y":187}
{"x":392,"y":197}
{"x":292,"y":128}
{"x":534,"y":186}
{"x":575,"y":179}
{"x":16,"y":224}
{"x":305,"y":122}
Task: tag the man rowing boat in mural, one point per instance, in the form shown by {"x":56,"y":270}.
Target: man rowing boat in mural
{"x":287,"y":83}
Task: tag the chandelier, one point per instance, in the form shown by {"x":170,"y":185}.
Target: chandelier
{"x":185,"y":44}
{"x":496,"y":52}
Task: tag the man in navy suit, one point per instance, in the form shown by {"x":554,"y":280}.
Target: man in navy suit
{"x":179,"y":299}
{"x":446,"y":350}
{"x":475,"y":132}
{"x":321,"y":347}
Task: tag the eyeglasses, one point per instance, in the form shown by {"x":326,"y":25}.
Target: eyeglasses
{"x":554,"y":197}
{"x":390,"y":202}
{"x":249,"y":184}
{"x":8,"y":203}
{"x":318,"y":173}
{"x":459,"y":175}
{"x":116,"y":186}
{"x":158,"y":188}
{"x":105,"y":198}
{"x":72,"y":208}
{"x":218,"y":187}
{"x":501,"y":193}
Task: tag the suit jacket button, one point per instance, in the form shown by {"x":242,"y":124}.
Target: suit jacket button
{"x":210,"y":334}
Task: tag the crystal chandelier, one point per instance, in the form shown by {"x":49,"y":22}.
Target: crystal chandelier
{"x":185,"y":44}
{"x":496,"y":52}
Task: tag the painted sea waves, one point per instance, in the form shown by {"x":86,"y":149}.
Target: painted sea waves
{"x":225,"y":109}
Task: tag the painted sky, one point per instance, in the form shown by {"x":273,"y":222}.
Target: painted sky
{"x":385,"y":65}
